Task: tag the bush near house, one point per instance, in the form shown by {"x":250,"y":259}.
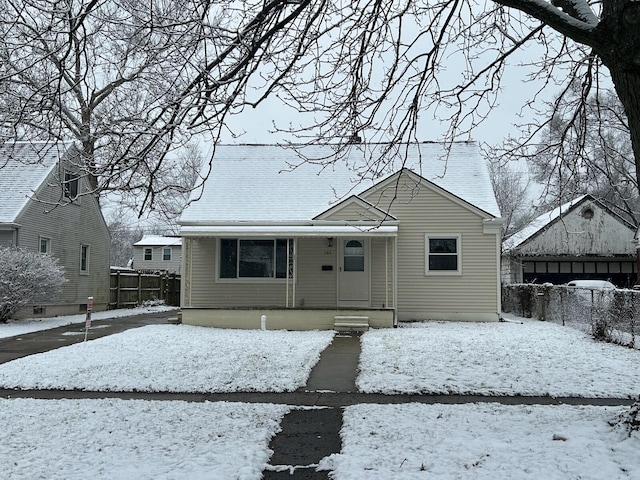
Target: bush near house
{"x":608,"y":315}
{"x":27,"y":278}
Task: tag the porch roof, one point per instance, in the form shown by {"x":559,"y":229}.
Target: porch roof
{"x":289,"y":231}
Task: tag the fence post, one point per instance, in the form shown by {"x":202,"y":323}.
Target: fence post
{"x":118,"y":290}
{"x":139,"y":299}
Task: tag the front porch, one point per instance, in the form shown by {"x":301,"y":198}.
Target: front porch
{"x":290,"y":318}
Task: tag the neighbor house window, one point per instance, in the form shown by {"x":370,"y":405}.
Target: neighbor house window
{"x":443,"y":254}
{"x":253,"y":258}
{"x":84,"y":258}
{"x":166,"y":254}
{"x":71,"y":185}
{"x":45,"y":245}
{"x":148,"y":253}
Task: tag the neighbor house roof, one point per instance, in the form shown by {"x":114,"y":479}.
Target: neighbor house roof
{"x":158,"y":241}
{"x":541,"y":222}
{"x":267,"y":184}
{"x":24,"y":166}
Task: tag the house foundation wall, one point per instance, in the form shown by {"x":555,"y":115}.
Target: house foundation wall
{"x":449,"y":316}
{"x":279,"y":319}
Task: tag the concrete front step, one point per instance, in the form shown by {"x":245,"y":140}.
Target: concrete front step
{"x":351,"y":323}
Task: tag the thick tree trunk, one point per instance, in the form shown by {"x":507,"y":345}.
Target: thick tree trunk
{"x":627,"y":85}
{"x":619,"y":37}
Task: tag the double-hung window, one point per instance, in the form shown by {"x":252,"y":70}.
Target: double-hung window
{"x":44,"y":245}
{"x":260,"y":258}
{"x":148,"y":253}
{"x":443,"y":254}
{"x":166,"y":254}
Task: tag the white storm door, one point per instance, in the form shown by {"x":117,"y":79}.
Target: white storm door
{"x":354,"y":272}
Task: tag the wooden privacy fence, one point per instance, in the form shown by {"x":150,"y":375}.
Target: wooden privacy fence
{"x":129,"y":289}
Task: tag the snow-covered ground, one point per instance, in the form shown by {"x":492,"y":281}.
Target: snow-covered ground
{"x":529,"y":358}
{"x":116,"y":439}
{"x":175,"y":358}
{"x":28,"y":325}
{"x":483,"y":442}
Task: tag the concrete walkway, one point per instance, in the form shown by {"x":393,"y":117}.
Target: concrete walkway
{"x":309,"y":435}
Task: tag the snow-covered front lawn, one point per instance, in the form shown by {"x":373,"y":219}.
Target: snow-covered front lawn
{"x":117,"y":439}
{"x":528,"y":358}
{"x":135,"y":439}
{"x":483,"y":442}
{"x":175,"y":358}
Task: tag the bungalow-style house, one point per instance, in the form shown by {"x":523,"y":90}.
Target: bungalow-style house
{"x":329,"y":242}
{"x":158,"y":253}
{"x":42,"y":209}
{"x":581,"y":239}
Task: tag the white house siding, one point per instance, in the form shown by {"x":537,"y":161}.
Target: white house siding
{"x":473,"y":295}
{"x":68,"y":227}
{"x":157,"y":262}
{"x":574,"y":235}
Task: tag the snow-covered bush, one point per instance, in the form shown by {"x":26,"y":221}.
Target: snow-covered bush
{"x":27,"y":278}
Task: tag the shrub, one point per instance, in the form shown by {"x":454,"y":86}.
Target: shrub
{"x":27,"y":278}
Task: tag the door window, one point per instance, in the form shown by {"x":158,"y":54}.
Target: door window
{"x":353,"y":256}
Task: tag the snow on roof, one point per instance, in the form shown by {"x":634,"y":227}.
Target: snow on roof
{"x":24,"y":166}
{"x":269,"y":183}
{"x":538,"y":223}
{"x":158,"y":241}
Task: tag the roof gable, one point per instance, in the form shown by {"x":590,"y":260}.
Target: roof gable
{"x":270,"y":184}
{"x":355,"y":208}
{"x":550,"y":219}
{"x":24,"y":167}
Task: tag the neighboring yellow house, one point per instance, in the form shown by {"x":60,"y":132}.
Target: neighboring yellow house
{"x":330,"y":242}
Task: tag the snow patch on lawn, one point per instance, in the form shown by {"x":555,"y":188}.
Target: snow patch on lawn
{"x":175,"y":358}
{"x":528,"y":358}
{"x":118,"y":439}
{"x":483,"y":441}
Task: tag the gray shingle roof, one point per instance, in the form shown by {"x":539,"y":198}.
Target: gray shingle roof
{"x":268,"y":183}
{"x":24,"y":166}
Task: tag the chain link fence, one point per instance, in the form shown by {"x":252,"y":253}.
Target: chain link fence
{"x":608,"y":315}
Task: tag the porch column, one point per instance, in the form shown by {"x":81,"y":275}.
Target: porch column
{"x":291,"y":274}
{"x":185,"y":282}
{"x":395,"y":281}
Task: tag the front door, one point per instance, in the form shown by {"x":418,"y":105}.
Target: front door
{"x":354,"y":272}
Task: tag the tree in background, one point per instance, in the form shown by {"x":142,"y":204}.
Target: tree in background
{"x":588,"y":155}
{"x":27,"y":278}
{"x":512,"y":189}
{"x":132,"y":82}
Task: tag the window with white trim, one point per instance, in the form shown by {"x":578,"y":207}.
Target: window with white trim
{"x":166,"y":254}
{"x":148,"y":253}
{"x":443,"y":254}
{"x":252,"y":258}
{"x":44,"y":245}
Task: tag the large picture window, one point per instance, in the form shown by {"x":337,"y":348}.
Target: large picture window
{"x":263,"y":258}
{"x":443,"y":254}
